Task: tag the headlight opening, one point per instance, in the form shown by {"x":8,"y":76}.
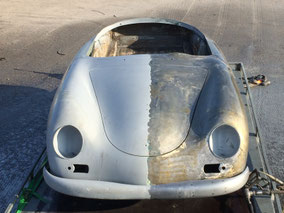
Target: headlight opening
{"x":67,"y":141}
{"x":224,"y":141}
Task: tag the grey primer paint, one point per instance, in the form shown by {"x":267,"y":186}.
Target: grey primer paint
{"x":144,"y":111}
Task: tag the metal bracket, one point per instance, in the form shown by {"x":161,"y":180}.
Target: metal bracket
{"x":260,"y":184}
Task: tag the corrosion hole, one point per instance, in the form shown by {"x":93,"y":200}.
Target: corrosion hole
{"x":211,"y":168}
{"x":69,"y":168}
{"x":81,"y":168}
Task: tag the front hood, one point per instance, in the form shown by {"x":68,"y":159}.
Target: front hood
{"x":147,"y":101}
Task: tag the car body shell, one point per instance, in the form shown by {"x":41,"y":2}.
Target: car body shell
{"x":145,"y":120}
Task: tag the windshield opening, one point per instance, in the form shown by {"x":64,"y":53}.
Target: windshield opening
{"x":149,"y":38}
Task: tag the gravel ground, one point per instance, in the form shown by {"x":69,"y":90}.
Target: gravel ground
{"x":31,"y":33}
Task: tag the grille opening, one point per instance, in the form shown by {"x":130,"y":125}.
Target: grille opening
{"x":81,"y":168}
{"x":211,"y":168}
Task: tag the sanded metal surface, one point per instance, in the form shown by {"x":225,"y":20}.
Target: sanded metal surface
{"x":147,"y":102}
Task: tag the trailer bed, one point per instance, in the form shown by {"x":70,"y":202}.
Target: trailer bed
{"x":44,"y":199}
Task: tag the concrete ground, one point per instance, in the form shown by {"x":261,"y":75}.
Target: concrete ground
{"x":31,"y":33}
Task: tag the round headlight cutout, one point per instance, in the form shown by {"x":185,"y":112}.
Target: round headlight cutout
{"x":68,"y":141}
{"x":224,"y":141}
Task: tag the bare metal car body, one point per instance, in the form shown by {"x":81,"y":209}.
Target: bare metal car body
{"x":149,"y":108}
